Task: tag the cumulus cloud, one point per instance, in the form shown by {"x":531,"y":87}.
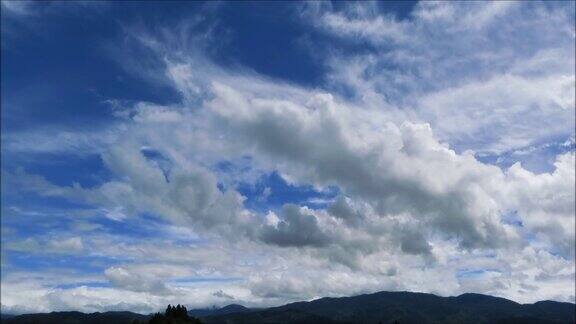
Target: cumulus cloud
{"x":122,"y":278}
{"x":296,"y":228}
{"x":546,"y":203}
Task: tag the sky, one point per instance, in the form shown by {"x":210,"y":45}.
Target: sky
{"x":261,"y":153}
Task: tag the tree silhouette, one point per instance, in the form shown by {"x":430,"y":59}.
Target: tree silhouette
{"x":157,"y":319}
{"x":174,"y":315}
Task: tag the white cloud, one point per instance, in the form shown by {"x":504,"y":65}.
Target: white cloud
{"x":124,"y":279}
{"x":485,"y":116}
{"x":72,"y":245}
{"x":483,"y":74}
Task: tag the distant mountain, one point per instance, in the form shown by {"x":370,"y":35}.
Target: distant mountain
{"x":405,"y":307}
{"x":77,"y":318}
{"x":230,"y":309}
{"x":381,"y":307}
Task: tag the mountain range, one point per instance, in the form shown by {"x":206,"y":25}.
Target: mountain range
{"x":380,"y":307}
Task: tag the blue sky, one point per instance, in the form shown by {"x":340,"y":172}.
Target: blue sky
{"x":267,"y":152}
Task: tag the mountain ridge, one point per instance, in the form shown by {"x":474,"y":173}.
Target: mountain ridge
{"x":407,"y":307}
{"x":380,"y":307}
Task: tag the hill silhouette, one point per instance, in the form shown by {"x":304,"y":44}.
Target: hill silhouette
{"x":77,"y":317}
{"x":406,"y":307}
{"x":381,"y":307}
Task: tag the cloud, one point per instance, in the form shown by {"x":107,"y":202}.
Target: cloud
{"x":385,"y":168}
{"x":296,"y":228}
{"x":16,"y":7}
{"x":467,"y":68}
{"x":317,"y":140}
{"x":475,"y":115}
{"x":23,"y":19}
{"x":416,"y":209}
{"x":25,"y":8}
{"x":546,"y":203}
{"x":122,"y":278}
{"x":72,"y":245}
{"x":222,"y":294}
{"x":59,"y":141}
{"x":362,"y":22}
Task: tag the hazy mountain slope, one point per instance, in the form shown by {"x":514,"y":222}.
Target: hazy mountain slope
{"x":229,"y":309}
{"x":404,"y":307}
{"x":76,"y":317}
